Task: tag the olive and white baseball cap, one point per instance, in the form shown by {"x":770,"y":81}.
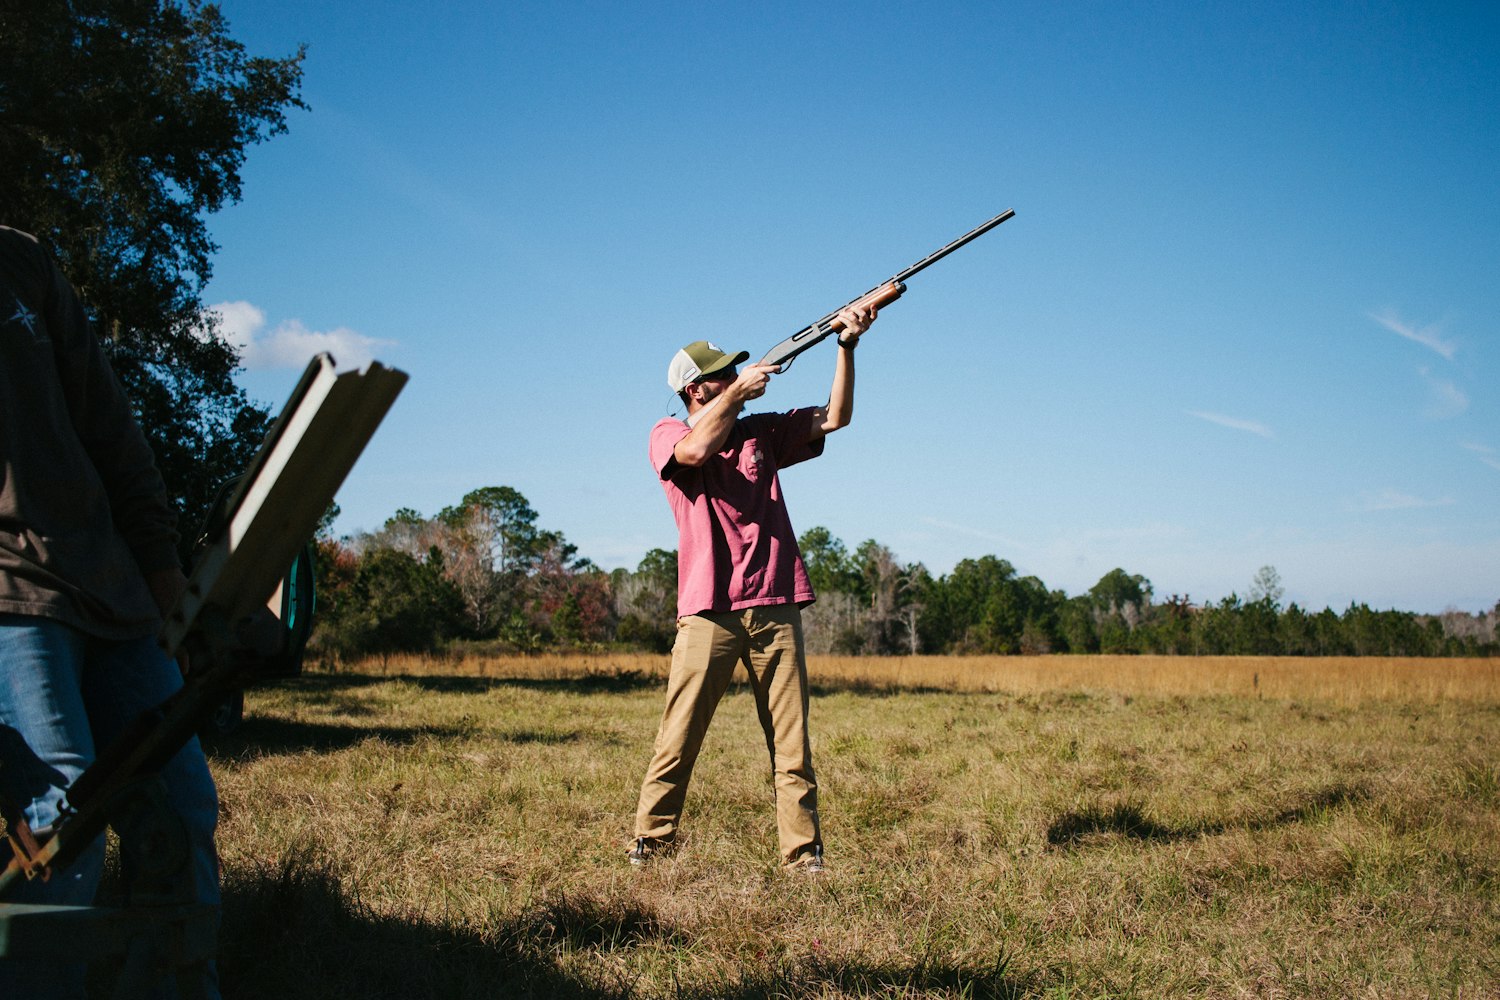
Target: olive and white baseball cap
{"x":698,"y":359}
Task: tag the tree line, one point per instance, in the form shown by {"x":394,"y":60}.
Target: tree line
{"x":484,"y":574}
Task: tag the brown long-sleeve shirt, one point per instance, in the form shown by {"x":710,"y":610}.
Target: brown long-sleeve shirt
{"x":83,"y":511}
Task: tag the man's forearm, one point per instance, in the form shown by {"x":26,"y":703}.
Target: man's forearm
{"x":856,"y":320}
{"x":709,"y":434}
{"x":841,"y":395}
{"x":711,"y":422}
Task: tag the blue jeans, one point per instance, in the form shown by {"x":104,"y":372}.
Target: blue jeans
{"x":62,"y":695}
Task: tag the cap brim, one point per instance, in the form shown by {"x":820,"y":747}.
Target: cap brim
{"x":728,"y":362}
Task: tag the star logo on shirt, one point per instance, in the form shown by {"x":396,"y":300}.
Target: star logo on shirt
{"x":25,"y":317}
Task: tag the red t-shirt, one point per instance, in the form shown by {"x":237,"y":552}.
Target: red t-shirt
{"x":736,"y":548}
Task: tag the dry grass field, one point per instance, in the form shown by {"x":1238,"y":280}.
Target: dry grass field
{"x":1340,"y":679}
{"x":1041,"y":828}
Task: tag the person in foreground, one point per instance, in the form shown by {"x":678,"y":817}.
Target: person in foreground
{"x":741,"y":583}
{"x":88,"y":567}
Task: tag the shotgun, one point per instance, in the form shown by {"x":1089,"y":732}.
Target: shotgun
{"x":883,"y":294}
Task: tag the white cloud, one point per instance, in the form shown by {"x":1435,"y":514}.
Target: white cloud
{"x":290,"y":344}
{"x":1233,"y":423}
{"x":1389,"y":499}
{"x":1448,"y":400}
{"x":1428,"y":336}
{"x":238,"y":322}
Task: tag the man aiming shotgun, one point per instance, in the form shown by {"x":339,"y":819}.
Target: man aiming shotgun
{"x":741,"y":582}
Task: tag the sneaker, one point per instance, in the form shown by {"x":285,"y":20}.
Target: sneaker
{"x":646,"y":850}
{"x":810,"y":862}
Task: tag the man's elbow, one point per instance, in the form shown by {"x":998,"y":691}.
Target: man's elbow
{"x":827,"y":427}
{"x":690,"y":457}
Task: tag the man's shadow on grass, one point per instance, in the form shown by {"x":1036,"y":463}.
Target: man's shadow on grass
{"x":1091,"y":824}
{"x":296,"y":932}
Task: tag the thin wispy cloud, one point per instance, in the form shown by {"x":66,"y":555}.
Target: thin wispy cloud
{"x":1389,"y":499}
{"x":393,"y":168}
{"x":289,"y":344}
{"x":1234,"y":423}
{"x":1428,"y":336}
{"x":972,"y":532}
{"x":1486,"y":454}
{"x":1448,"y":400}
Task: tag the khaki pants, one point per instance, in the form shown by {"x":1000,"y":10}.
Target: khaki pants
{"x":768,"y":641}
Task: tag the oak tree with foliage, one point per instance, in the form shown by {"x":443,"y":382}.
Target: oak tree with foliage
{"x":122,"y":124}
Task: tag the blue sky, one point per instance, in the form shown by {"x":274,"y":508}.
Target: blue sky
{"x":1246,"y":313}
